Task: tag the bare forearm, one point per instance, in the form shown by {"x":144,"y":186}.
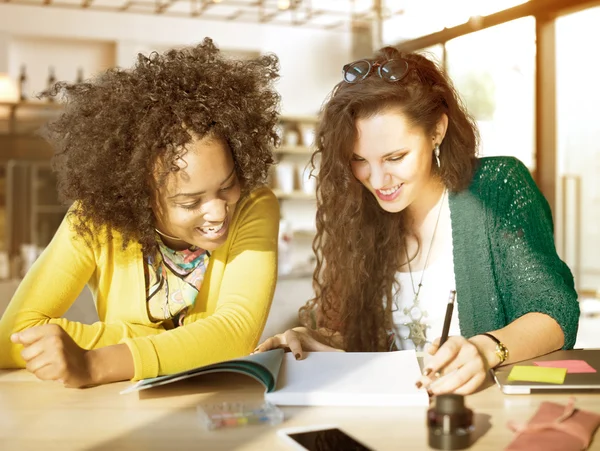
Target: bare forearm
{"x":110,"y":364}
{"x":529,"y":336}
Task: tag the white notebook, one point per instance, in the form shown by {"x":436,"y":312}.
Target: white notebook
{"x":349,"y":379}
{"x":321,"y":379}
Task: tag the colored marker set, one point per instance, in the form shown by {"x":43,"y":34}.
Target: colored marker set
{"x":227,"y":415}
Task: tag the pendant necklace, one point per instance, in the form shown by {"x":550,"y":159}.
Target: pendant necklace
{"x":416,"y":326}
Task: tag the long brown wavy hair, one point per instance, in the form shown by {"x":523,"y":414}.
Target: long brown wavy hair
{"x":117,"y":126}
{"x":359,"y":247}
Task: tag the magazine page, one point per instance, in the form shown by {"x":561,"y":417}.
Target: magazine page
{"x":264,"y":367}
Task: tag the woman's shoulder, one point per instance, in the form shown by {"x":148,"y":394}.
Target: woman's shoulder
{"x":82,"y":226}
{"x":260,"y":203}
{"x":504,"y":184}
{"x":262,"y":192}
{"x":78,"y":230}
{"x":502,"y":173}
{"x":259,"y":196}
{"x":492,"y":168}
{"x":498,"y":181}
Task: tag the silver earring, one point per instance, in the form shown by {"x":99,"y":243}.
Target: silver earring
{"x":436,"y":152}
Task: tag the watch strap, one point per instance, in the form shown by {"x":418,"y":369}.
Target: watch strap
{"x":501,"y":349}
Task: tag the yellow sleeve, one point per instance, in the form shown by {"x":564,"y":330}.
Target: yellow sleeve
{"x":243,"y":304}
{"x":49,"y":289}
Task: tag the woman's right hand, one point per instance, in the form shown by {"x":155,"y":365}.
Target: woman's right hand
{"x":298,"y":340}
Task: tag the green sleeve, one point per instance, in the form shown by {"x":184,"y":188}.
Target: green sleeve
{"x":530,"y":275}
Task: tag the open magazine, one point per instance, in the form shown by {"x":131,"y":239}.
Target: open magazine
{"x":264,"y":367}
{"x":322,"y":378}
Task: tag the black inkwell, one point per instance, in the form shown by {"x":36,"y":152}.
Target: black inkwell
{"x":450,"y":423}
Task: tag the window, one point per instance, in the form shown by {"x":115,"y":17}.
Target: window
{"x":407,"y":20}
{"x":494,"y":72}
{"x":578,"y":149}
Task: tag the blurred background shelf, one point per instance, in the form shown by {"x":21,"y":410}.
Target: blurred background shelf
{"x":59,"y":209}
{"x":33,"y":211}
{"x":294,"y":150}
{"x":294,"y":195}
{"x":25,"y":118}
{"x":38,"y":105}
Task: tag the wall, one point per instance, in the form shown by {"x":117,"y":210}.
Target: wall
{"x":310,"y":59}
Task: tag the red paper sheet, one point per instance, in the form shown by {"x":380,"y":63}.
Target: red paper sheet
{"x":572,"y":366}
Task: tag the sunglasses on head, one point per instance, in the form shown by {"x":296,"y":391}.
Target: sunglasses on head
{"x":390,"y":70}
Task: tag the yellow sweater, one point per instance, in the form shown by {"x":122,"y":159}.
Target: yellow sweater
{"x":227,"y":319}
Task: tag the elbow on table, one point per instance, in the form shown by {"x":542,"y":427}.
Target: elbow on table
{"x":10,"y":353}
{"x":21,"y":321}
{"x":569,"y":323}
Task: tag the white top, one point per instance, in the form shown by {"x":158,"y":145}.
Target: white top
{"x":438,"y":281}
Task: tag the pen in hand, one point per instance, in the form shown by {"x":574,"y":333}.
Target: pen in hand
{"x":444,"y":337}
{"x":448,"y":317}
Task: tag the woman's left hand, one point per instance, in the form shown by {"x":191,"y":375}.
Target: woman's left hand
{"x":51,"y":354}
{"x":461,"y":366}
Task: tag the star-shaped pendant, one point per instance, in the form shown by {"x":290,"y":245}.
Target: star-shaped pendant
{"x":417,"y":333}
{"x":416,"y":326}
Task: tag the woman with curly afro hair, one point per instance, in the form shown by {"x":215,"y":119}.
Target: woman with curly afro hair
{"x":409,"y":220}
{"x":171,"y":225}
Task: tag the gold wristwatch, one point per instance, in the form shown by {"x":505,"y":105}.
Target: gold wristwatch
{"x":501,"y":351}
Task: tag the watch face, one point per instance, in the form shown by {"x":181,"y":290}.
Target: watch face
{"x":501,"y":352}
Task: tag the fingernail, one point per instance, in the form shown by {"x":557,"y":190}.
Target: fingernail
{"x":297,"y":355}
{"x":419,"y":384}
{"x":14,"y":338}
{"x":426,"y":371}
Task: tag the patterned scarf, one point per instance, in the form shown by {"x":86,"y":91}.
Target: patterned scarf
{"x":174,"y":279}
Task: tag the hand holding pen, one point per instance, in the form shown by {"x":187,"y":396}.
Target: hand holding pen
{"x":456,"y":365}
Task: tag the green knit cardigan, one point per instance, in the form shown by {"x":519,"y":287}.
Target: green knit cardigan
{"x":505,"y":260}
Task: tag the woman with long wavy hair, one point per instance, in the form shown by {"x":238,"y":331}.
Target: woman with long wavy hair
{"x":171,"y":225}
{"x":408,"y":216}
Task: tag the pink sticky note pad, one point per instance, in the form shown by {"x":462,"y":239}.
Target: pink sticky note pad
{"x":572,"y":366}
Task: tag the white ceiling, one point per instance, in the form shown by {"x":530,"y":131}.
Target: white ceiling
{"x":333,"y":14}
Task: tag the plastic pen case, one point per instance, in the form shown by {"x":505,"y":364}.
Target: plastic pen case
{"x":227,"y":415}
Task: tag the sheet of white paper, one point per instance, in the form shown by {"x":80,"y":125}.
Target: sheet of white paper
{"x":349,"y":379}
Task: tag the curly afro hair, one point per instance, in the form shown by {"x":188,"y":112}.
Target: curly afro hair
{"x":118,"y":125}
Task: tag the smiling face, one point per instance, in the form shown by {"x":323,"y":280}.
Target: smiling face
{"x":393,"y":159}
{"x":197,"y":202}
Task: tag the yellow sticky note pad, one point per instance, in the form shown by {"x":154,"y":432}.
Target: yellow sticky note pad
{"x":537,"y":374}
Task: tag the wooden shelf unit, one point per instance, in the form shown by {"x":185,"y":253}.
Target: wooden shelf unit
{"x":294,"y":150}
{"x":39,"y":112}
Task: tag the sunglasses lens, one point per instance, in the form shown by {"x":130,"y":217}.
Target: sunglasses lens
{"x":394,"y":70}
{"x":356,"y":71}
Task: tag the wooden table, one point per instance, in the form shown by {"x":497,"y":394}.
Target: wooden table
{"x":38,"y":415}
